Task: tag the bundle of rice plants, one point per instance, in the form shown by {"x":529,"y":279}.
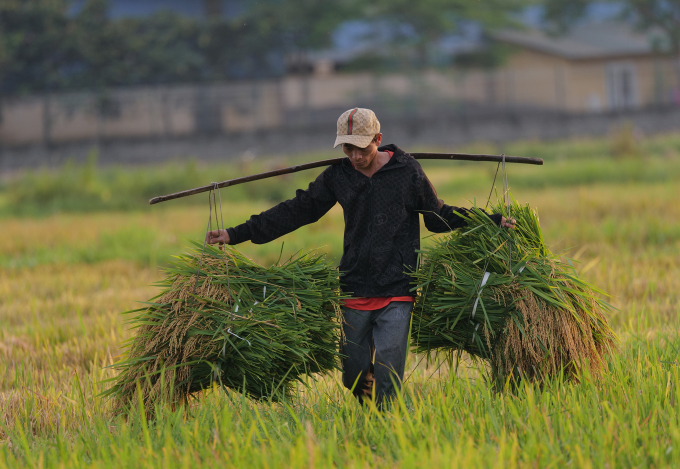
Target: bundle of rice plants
{"x":256,"y":330}
{"x":501,"y":295}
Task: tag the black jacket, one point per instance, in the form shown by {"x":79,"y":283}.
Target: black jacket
{"x":382,"y":228}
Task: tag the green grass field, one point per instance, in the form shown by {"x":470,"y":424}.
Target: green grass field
{"x":81,"y":245}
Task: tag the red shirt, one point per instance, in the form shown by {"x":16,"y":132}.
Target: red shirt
{"x":370,"y":304}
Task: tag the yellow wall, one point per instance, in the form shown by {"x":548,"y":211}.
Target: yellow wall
{"x":536,"y":79}
{"x":22,"y":121}
{"x":528,"y":80}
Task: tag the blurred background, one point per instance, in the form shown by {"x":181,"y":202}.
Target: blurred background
{"x":144,"y":81}
{"x":107,"y":103}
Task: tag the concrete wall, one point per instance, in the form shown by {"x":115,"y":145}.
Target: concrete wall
{"x":179,"y":111}
{"x":433,"y":131}
{"x":145,"y":112}
{"x":522,"y":100}
{"x":529,"y":81}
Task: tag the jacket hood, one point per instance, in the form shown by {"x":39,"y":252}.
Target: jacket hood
{"x":393,"y":148}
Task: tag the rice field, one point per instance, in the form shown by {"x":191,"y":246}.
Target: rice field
{"x":66,"y":274}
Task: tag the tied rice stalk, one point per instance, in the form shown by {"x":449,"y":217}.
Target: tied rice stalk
{"x":535,"y":318}
{"x":257,"y":330}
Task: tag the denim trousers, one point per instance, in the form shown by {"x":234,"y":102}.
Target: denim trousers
{"x":385,"y":330}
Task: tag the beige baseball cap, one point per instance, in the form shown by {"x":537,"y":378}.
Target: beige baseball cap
{"x":357,"y":126}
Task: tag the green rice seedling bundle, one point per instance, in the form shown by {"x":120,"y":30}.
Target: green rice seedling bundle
{"x":503,"y":296}
{"x":255,"y":329}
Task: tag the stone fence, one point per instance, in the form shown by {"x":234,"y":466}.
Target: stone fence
{"x":139,"y":125}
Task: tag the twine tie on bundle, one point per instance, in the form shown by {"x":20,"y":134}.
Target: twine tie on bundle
{"x":479,"y":292}
{"x":236,"y":335}
{"x":472,"y":340}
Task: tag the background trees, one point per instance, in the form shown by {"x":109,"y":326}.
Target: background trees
{"x":48,"y":45}
{"x":35,"y":44}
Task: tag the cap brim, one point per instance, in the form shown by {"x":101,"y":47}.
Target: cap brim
{"x":361,"y":141}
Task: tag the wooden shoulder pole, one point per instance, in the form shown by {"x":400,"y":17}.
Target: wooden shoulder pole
{"x":333,"y":161}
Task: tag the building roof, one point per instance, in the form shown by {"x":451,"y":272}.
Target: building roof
{"x":587,"y":41}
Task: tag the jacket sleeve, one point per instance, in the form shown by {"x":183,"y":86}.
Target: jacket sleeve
{"x":306,"y":207}
{"x":439,"y":217}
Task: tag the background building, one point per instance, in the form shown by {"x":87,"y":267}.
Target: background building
{"x":150,"y":80}
{"x":594,"y":67}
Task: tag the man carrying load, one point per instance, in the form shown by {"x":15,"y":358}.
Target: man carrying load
{"x":382,"y":191}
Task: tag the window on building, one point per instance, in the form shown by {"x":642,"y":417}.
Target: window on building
{"x":621,"y":86}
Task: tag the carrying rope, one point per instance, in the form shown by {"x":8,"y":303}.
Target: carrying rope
{"x":207,"y":230}
{"x":506,"y":203}
{"x":226,"y":257}
{"x":213,"y":196}
{"x":493,"y":184}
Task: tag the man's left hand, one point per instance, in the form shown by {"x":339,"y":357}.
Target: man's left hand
{"x":508,"y":223}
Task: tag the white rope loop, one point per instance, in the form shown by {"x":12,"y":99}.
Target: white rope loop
{"x":479,"y":293}
{"x":235,"y":335}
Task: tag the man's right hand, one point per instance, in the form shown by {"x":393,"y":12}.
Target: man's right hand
{"x":217,"y":236}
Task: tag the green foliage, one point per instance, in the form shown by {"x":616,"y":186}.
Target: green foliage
{"x":625,"y":142}
{"x":426,"y":22}
{"x":34,"y":44}
{"x":562,"y":15}
{"x":493,"y":55}
{"x":163,"y":48}
{"x":43,"y":47}
{"x":222,"y":318}
{"x":628,"y":418}
{"x":61,"y":326}
{"x":503,"y":296}
{"x":88,"y":187}
{"x":305,"y":24}
{"x":623,"y":203}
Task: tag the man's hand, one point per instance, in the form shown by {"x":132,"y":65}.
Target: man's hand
{"x":508,"y":223}
{"x":217,"y":236}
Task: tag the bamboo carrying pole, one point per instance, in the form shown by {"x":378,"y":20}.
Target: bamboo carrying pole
{"x":333,"y":161}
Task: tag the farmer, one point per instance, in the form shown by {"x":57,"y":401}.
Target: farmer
{"x":382,"y":191}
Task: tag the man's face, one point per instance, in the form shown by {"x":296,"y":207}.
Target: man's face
{"x":362,"y":157}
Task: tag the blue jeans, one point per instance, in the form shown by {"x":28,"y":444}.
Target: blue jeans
{"x":386,"y":329}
